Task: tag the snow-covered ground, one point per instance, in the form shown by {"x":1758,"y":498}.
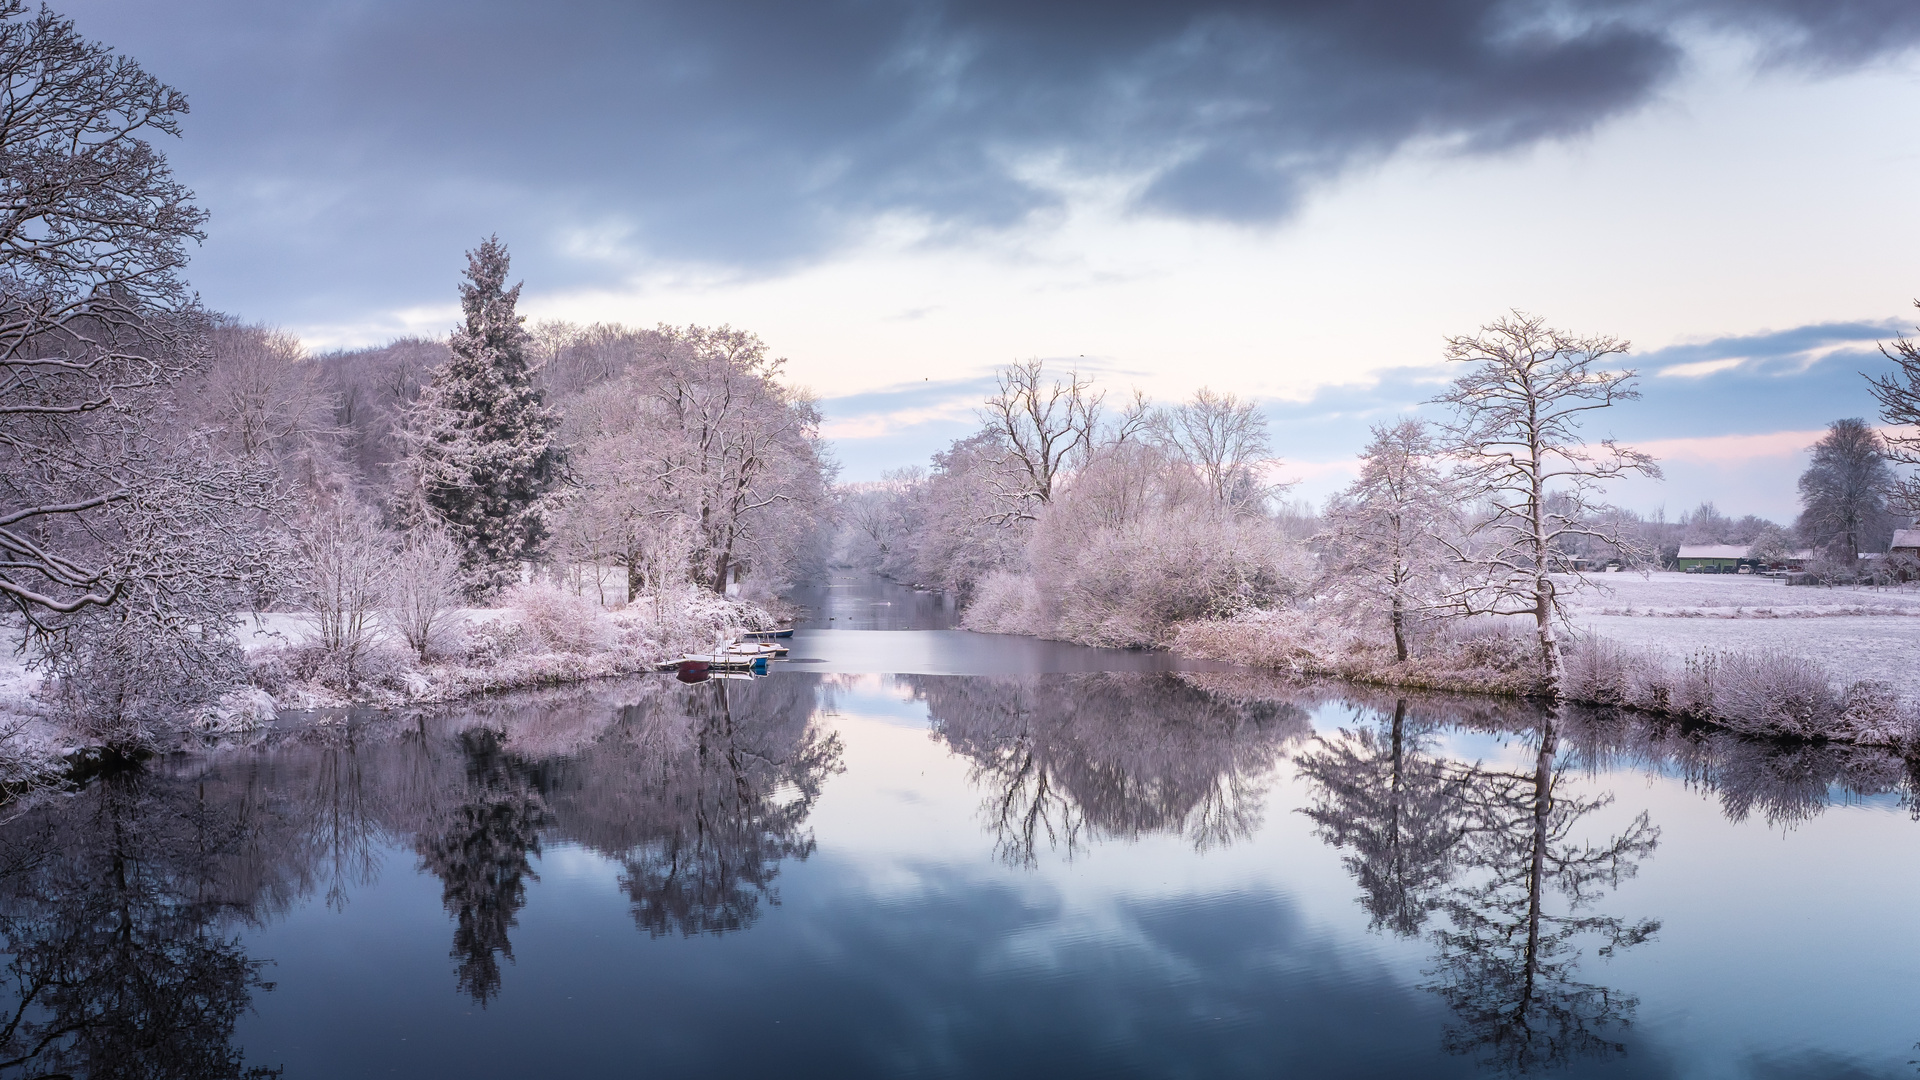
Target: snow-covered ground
{"x":1859,"y":632}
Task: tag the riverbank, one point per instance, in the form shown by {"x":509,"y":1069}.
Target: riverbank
{"x":540,"y":638}
{"x":1750,"y":655}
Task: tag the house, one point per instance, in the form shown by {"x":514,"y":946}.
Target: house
{"x":1797,"y":560}
{"x":1711,"y":558}
{"x":1905,"y":542}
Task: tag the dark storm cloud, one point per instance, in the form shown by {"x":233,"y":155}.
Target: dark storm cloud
{"x":350,"y":150}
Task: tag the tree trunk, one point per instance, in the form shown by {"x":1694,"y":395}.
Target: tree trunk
{"x":1549,"y":638}
{"x":1399,"y":631}
{"x":1536,"y":875}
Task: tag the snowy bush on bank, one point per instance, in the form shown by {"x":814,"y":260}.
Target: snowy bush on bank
{"x":1127,"y":577}
{"x":1774,"y":693}
{"x":546,"y":636}
{"x":556,"y":620}
{"x":1486,"y":655}
{"x":1763,"y":693}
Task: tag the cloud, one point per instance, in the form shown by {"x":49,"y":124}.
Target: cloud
{"x":356,"y":148}
{"x":877,"y":424}
{"x":1771,"y":353}
{"x":1732,"y":449}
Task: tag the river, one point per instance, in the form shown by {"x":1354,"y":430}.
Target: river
{"x":916,"y":851}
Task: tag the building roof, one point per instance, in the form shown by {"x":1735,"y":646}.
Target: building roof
{"x":1905,"y":538}
{"x":1712,"y":551}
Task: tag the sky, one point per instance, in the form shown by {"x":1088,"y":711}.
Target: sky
{"x":1293,"y":200}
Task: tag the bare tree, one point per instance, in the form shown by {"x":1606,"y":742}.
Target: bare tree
{"x":1899,"y":395}
{"x":1843,"y":494}
{"x":1386,"y":532}
{"x":424,"y":588}
{"x":344,"y":559}
{"x":264,"y":398}
{"x":1224,"y":438}
{"x":1516,"y":424}
{"x":93,"y":313}
{"x":1042,"y":423}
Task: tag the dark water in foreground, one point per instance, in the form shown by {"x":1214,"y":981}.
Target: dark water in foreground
{"x":971,"y":865}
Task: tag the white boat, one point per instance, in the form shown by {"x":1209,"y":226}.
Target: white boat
{"x":756,"y":648}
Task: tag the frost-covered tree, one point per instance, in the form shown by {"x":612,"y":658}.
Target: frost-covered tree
{"x":127,"y":539}
{"x":262,"y":398}
{"x":697,"y":462}
{"x":482,"y":455}
{"x":1771,"y":544}
{"x":1898,"y":392}
{"x":94,"y":315}
{"x":1843,"y":494}
{"x":1223,"y":438}
{"x":1386,"y":535}
{"x":1516,"y":430}
{"x":423,"y":589}
{"x":1040,"y":424}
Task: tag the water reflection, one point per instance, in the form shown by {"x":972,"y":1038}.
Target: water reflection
{"x":481,"y":848}
{"x":1392,"y":804}
{"x":1479,"y":831}
{"x":117,"y":914}
{"x":700,"y":793}
{"x":1501,"y":852}
{"x":1066,"y":760}
{"x":701,"y":798}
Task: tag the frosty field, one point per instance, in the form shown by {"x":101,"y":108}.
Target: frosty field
{"x":1860,"y":632}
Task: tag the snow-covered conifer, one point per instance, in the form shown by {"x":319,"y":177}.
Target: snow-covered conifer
{"x":480,"y":441}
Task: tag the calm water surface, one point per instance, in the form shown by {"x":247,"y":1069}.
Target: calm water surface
{"x":915,"y":851}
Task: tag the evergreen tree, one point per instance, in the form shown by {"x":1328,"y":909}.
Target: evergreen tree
{"x":480,"y":441}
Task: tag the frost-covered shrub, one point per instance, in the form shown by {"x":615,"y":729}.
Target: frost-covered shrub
{"x":1599,"y":671}
{"x":1130,"y":586}
{"x":1775,"y":693}
{"x":129,"y":680}
{"x":556,"y":620}
{"x":377,"y":665}
{"x":489,"y":641}
{"x":1490,"y":644}
{"x":1290,"y":640}
{"x":1872,"y":714}
{"x":269,"y":670}
{"x":1007,"y":603}
{"x":246,"y":709}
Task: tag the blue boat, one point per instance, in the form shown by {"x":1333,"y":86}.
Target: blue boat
{"x":766,"y":635}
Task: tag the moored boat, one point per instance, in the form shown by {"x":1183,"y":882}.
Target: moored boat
{"x":756,"y":648}
{"x":721,"y":661}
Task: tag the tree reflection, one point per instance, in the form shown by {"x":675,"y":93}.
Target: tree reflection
{"x":1498,"y":852}
{"x":1508,"y":966}
{"x":1397,"y":810}
{"x":700,"y":793}
{"x":481,"y":853}
{"x":1065,"y":760}
{"x":728,"y":809}
{"x":114,"y":916}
